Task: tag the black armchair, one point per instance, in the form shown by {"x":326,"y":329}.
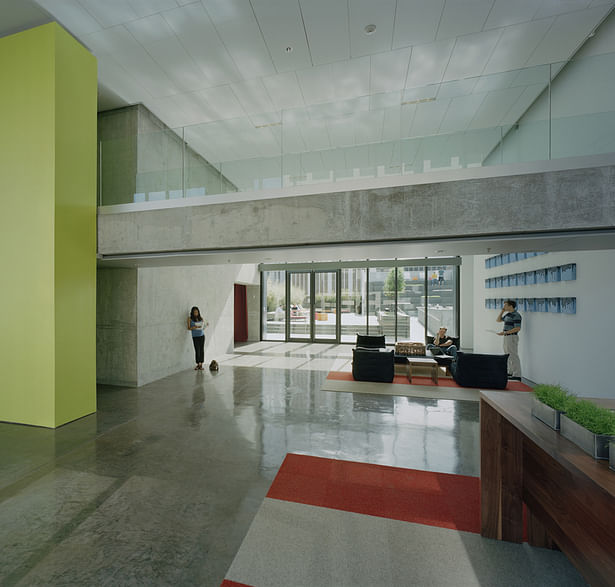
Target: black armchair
{"x":371,"y":361}
{"x":477,"y":370}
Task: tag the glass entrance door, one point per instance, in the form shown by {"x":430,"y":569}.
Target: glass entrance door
{"x":326,"y":308}
{"x":299,"y":318}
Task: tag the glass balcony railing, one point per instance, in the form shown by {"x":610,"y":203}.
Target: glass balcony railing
{"x":532,"y":114}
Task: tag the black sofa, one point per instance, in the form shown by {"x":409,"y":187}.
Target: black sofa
{"x":478,"y":370}
{"x":371,"y":361}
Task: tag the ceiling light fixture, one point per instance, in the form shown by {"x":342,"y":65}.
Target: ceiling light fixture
{"x":289,"y":49}
{"x":369,"y":29}
{"x":418,"y":101}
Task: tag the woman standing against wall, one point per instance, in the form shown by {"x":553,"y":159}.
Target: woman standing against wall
{"x":197,"y":325}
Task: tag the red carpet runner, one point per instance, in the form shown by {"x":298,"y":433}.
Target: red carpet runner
{"x":442,"y":381}
{"x":424,"y":497}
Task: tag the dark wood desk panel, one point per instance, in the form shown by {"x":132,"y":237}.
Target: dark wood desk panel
{"x":569,"y":495}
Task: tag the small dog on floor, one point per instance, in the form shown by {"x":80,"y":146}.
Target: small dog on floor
{"x":213,"y":366}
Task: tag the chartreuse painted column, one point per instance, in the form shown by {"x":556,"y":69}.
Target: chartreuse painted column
{"x":47,"y":228}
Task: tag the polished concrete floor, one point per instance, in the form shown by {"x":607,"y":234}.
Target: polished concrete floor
{"x":161,"y":485}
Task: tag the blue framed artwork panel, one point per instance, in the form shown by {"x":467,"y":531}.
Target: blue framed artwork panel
{"x":520,"y":278}
{"x":512,"y":279}
{"x":541,"y":305}
{"x":541,"y":276}
{"x":530,"y":277}
{"x":554,"y":305}
{"x":569,"y":272}
{"x":530,"y":304}
{"x":554,"y":274}
{"x":568,"y":305}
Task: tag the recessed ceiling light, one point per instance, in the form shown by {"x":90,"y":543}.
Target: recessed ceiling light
{"x":369,"y":29}
{"x":289,"y":49}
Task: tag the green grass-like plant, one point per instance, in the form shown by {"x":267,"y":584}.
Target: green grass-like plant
{"x":595,"y":418}
{"x":554,"y":396}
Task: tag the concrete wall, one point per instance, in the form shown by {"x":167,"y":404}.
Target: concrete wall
{"x":140,"y":155}
{"x":142,"y":313}
{"x":116,"y":326}
{"x":577,"y":199}
{"x":557,"y":348}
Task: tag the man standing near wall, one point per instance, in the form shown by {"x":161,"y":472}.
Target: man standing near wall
{"x":512,"y":326}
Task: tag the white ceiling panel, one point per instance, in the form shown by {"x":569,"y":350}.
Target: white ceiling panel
{"x":365,"y":12}
{"x":112,"y":40}
{"x":602,"y":42}
{"x":523,"y":102}
{"x":457,"y":88}
{"x":416,"y":22}
{"x":391,"y":124}
{"x":568,"y":32}
{"x":507,"y":13}
{"x":460,"y":112}
{"x":471,"y":54}
{"x":548,"y":8}
{"x":351,"y":78}
{"x":428,"y":63}
{"x":326,"y":27}
{"x":150,"y":29}
{"x":517,"y":44}
{"x":253,"y":96}
{"x":341,"y":133}
{"x":284,"y":90}
{"x":315,"y":135}
{"x":368,"y":127}
{"x":110,"y":12}
{"x":316,"y":84}
{"x":494,"y":107}
{"x":147,"y":7}
{"x":462,"y":17}
{"x":240,"y":33}
{"x":146,"y":72}
{"x":72,"y":15}
{"x":539,"y":74}
{"x":181,"y":110}
{"x":113,"y":75}
{"x":282,"y":26}
{"x":292,"y":140}
{"x":177,"y":64}
{"x":385,"y":101}
{"x":221,"y":102}
{"x":199,"y":37}
{"x":389,"y":70}
{"x":496,"y":81}
{"x":429,"y":116}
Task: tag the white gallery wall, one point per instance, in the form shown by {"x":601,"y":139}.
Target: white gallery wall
{"x":572,"y":350}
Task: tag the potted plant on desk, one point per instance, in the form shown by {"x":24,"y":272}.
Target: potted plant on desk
{"x":589,"y":426}
{"x":549,"y":402}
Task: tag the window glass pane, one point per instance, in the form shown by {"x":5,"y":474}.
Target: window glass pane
{"x":300,"y":305}
{"x":382,"y":284}
{"x":325,"y":299}
{"x":274,"y":297}
{"x":442,"y":296}
{"x":354,"y":303}
{"x":411,"y":305}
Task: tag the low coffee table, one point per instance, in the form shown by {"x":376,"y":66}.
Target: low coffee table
{"x":423,"y":362}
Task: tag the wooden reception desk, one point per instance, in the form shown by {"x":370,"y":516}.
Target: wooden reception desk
{"x":570,"y":497}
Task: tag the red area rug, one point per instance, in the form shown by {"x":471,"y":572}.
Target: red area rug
{"x":442,"y":381}
{"x":423,"y":497}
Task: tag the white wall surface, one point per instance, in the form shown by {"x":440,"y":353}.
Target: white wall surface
{"x":572,"y":350}
{"x":466,"y":303}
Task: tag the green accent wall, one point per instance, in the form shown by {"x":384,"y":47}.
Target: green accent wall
{"x":47,"y":228}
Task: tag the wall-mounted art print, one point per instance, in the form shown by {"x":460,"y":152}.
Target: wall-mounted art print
{"x":554,"y":305}
{"x":530,"y":277}
{"x":498,"y":281}
{"x":541,"y":276}
{"x":569,"y":272}
{"x":512,"y":279}
{"x":554,"y":274}
{"x":541,"y":305}
{"x":530,"y":304}
{"x":568,"y":305}
{"x":520,"y":278}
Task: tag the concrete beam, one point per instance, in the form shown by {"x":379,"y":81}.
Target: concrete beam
{"x":569,"y":200}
